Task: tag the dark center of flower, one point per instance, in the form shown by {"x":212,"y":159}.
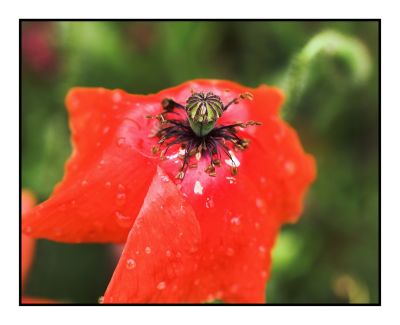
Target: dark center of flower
{"x":198,"y":135}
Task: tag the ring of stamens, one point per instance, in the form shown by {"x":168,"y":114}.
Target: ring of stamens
{"x":194,"y":147}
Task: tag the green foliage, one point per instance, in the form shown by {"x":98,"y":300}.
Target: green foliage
{"x":331,"y":254}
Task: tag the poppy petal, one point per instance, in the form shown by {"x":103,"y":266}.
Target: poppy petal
{"x":107,"y":176}
{"x":25,"y":300}
{"x":159,"y":255}
{"x":27,"y":243}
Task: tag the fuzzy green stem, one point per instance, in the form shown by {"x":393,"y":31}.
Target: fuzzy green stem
{"x":325,"y":44}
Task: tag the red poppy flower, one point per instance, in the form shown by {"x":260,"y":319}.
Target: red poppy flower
{"x":191,"y":235}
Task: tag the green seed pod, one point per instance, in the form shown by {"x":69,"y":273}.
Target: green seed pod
{"x":203,"y":111}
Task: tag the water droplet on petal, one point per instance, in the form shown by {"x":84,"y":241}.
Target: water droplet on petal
{"x":123,"y":220}
{"x":263,"y":274}
{"x":262,"y":250}
{"x":168,"y":253}
{"x":198,"y":188}
{"x":290,"y":167}
{"x":116,"y":97}
{"x":100,"y":300}
{"x":120,"y":142}
{"x":161,"y":286}
{"x":230,"y":251}
{"x":164,"y":178}
{"x":231,"y":179}
{"x":28,"y":229}
{"x":130,"y":264}
{"x":84,"y":182}
{"x":107,"y":185}
{"x":235,"y":223}
{"x":106,"y":130}
{"x":121,"y":198}
{"x":101,"y":163}
{"x":209,"y":203}
{"x":147,"y":250}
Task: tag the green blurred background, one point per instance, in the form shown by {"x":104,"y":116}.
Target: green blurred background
{"x":332,"y":254}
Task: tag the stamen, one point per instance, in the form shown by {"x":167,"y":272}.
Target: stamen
{"x":198,"y":136}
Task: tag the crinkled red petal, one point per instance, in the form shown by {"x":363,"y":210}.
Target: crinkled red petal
{"x":107,"y":176}
{"x":159,"y":258}
{"x":238,"y":216}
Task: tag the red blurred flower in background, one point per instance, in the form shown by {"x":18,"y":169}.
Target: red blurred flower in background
{"x":38,"y":47}
{"x":28,"y":201}
{"x":194,"y":239}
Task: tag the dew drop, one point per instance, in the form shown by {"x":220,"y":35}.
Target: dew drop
{"x":230,"y":251}
{"x":84,"y":182}
{"x":147,"y":250}
{"x":168,"y":253}
{"x":235,"y":223}
{"x":290,"y":167}
{"x":120,"y":142}
{"x":259,"y":202}
{"x":107,"y":185}
{"x":28,"y":230}
{"x":161,"y":286}
{"x":263,"y":274}
{"x":164,"y":178}
{"x":123,"y":220}
{"x":130,"y":264}
{"x":101,"y":163}
{"x":106,"y":130}
{"x":198,"y":188}
{"x":121,"y":198}
{"x":209,"y":203}
{"x":262,"y":250}
{"x":257,"y":225}
{"x":116,"y":97}
{"x":231,"y":179}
